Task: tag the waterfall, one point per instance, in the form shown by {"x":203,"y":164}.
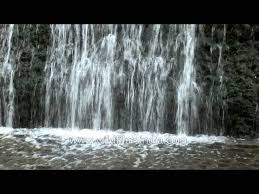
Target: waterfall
{"x":6,"y":76}
{"x":119,"y":76}
{"x":132,"y":77}
{"x":79,"y":76}
{"x":187,"y":112}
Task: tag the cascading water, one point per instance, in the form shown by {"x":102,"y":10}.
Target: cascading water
{"x":79,"y":77}
{"x":132,"y":77}
{"x":115,"y":76}
{"x":187,"y":112}
{"x":6,"y":76}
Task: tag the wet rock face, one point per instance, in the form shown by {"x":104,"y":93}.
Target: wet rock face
{"x":240,"y":61}
{"x":32,"y":42}
{"x":210,"y":76}
{"x":241,"y":70}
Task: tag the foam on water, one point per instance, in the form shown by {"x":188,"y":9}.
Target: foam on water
{"x":6,"y":130}
{"x":63,"y":135}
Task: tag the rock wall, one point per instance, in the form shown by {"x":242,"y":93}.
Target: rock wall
{"x":32,"y":41}
{"x":240,"y":62}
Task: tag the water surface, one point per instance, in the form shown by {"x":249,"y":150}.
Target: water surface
{"x":52,"y":148}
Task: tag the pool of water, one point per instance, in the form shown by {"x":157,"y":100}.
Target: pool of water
{"x":53,"y":148}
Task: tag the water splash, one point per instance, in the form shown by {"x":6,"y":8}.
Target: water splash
{"x":97,"y":137}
